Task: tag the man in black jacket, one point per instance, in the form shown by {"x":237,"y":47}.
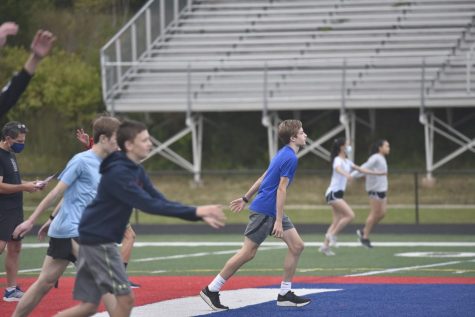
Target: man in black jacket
{"x":40,"y":47}
{"x":124,"y":185}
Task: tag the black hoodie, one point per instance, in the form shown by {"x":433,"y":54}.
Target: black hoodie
{"x":124,"y":185}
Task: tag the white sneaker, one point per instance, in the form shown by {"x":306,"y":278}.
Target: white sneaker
{"x":14,"y":295}
{"x":332,"y":239}
{"x":326,"y":250}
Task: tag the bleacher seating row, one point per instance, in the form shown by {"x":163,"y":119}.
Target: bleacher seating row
{"x":222,"y":52}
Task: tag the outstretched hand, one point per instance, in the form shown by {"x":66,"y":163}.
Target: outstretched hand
{"x":213,"y":215}
{"x":237,"y":205}
{"x":6,"y":29}
{"x":42,"y":43}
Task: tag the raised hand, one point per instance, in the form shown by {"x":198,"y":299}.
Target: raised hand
{"x":6,"y":29}
{"x":42,"y":43}
{"x":82,"y":137}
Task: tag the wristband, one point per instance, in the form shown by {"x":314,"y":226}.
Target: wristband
{"x":245,"y":199}
{"x":51,"y":217}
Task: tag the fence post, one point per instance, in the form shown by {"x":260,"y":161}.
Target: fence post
{"x":416,"y":196}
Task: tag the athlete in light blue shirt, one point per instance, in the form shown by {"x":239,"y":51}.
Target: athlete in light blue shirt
{"x":78,"y":185}
{"x":82,"y":177}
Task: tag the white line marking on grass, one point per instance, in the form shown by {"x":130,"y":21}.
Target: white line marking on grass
{"x":278,"y":243}
{"x":192,"y":255}
{"x":194,"y":305}
{"x":408,"y":268}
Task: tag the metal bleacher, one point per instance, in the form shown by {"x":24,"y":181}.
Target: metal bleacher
{"x":270,"y":55}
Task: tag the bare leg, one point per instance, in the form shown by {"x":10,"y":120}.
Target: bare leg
{"x":50,"y":272}
{"x":345,"y":215}
{"x":296,"y":245}
{"x":342,"y":214}
{"x":247,"y":253}
{"x":12,"y":261}
{"x":82,"y":310}
{"x":127,"y":244}
{"x":377,"y":213}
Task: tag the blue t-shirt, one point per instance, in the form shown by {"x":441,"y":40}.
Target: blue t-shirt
{"x":284,"y":164}
{"x":82,"y":177}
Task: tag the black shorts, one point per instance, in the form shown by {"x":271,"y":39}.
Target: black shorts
{"x":377,"y":195}
{"x":332,"y":196}
{"x":9,"y":219}
{"x":61,"y":248}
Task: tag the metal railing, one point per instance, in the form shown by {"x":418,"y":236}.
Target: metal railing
{"x":136,"y":38}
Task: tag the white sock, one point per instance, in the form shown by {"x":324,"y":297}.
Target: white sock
{"x":11,"y":288}
{"x":216,"y":284}
{"x":285,"y":287}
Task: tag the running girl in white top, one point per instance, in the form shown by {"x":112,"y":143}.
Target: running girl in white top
{"x":376,"y":186}
{"x":342,"y":212}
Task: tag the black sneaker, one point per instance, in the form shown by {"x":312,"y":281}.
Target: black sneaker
{"x":292,"y":300}
{"x":133,"y":285}
{"x":364,"y":242}
{"x":212,"y":299}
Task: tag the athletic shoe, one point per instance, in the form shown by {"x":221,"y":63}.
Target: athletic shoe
{"x":13,"y":295}
{"x":364,"y":242}
{"x":133,"y":285}
{"x":292,"y":300}
{"x":326,"y":250}
{"x":332,"y":239}
{"x":212,"y":299}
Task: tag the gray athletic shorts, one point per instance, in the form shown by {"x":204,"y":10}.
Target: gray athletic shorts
{"x":100,"y":270}
{"x":260,"y":226}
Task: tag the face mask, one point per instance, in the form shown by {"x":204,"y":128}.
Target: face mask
{"x":17,"y":147}
{"x":348,"y":149}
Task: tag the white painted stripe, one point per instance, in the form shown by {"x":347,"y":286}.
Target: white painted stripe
{"x":278,"y":243}
{"x":193,"y":306}
{"x":192,"y":255}
{"x":408,"y":268}
{"x":310,"y":244}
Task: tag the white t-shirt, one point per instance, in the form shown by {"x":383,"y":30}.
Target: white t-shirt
{"x":338,"y":181}
{"x":377,"y":163}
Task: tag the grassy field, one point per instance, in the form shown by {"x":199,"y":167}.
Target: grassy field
{"x":196,"y":259}
{"x":306,"y":202}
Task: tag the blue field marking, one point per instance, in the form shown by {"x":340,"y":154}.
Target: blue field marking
{"x":378,"y":300}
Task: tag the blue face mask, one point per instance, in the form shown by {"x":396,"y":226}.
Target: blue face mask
{"x":17,"y":147}
{"x":348,"y":149}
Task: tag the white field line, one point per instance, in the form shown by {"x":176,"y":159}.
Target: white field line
{"x":280,"y":244}
{"x":264,"y":246}
{"x":193,"y":255}
{"x":408,"y":268}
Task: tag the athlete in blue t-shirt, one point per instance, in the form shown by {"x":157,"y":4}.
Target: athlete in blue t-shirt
{"x":78,"y":185}
{"x":267,"y":218}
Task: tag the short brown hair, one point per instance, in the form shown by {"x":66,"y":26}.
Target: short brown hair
{"x":104,"y":125}
{"x":288,"y":129}
{"x":127,"y":131}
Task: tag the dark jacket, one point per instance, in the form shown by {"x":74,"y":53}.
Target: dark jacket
{"x":124,"y":185}
{"x":13,"y":90}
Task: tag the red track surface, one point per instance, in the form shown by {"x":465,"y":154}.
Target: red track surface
{"x":159,"y":288}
